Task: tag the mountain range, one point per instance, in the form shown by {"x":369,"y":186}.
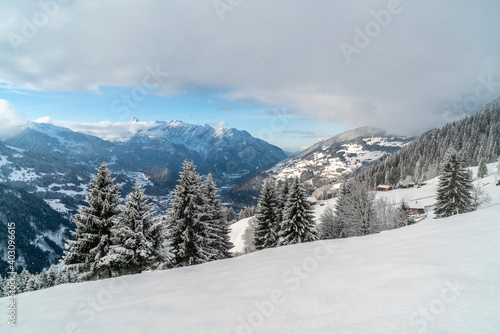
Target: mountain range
{"x":45,"y":171}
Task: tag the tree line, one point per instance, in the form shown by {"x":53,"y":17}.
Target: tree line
{"x":476,"y":138}
{"x":111,"y":239}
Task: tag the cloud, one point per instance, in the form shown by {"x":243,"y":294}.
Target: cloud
{"x":10,"y":120}
{"x":317,"y":135}
{"x":218,"y":125}
{"x":415,"y":71}
{"x":44,"y":119}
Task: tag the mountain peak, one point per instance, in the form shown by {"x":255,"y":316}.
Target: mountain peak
{"x":134,"y":120}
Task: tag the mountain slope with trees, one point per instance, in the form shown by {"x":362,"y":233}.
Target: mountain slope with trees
{"x":40,"y":231}
{"x":475,"y":138}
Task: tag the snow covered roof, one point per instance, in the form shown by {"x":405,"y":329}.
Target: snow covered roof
{"x":416,"y":205}
{"x":383,"y":186}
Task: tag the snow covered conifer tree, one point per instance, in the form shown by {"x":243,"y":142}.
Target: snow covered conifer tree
{"x":266,"y":214}
{"x":31,"y":285}
{"x":483,"y":169}
{"x":23,"y":280}
{"x":186,"y":231}
{"x":283,"y":200}
{"x":93,"y":229}
{"x":454,"y":191}
{"x":298,"y":225}
{"x":343,"y":212}
{"x":51,"y":276}
{"x":215,"y":222}
{"x":138,"y":237}
{"x":2,"y":283}
{"x":230,"y":215}
{"x":361,"y":208}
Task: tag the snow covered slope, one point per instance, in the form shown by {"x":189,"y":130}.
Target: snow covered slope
{"x":437,"y":276}
{"x":328,"y":161}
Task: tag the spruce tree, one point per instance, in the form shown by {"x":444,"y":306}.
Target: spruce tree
{"x":483,"y":169}
{"x":283,"y":200}
{"x":454,"y":191}
{"x":2,"y":284}
{"x":298,"y":225}
{"x":23,"y":280}
{"x":31,"y":285}
{"x":215,"y":222}
{"x":361,"y":204}
{"x":267,"y":217}
{"x":186,"y":231}
{"x":42,"y":280}
{"x":343,"y":212}
{"x":51,"y":276}
{"x":230,"y":215}
{"x":137,"y":236}
{"x":93,"y":229}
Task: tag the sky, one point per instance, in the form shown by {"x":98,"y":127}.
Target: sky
{"x":291,"y":72}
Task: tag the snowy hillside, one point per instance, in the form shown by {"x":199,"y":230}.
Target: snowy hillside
{"x":339,"y":156}
{"x":421,"y":197}
{"x":437,"y":276}
{"x":330,"y":160}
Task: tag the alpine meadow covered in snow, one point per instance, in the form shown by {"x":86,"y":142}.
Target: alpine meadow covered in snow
{"x":245,"y":167}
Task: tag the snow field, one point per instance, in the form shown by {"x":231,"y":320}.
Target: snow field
{"x":437,"y":276}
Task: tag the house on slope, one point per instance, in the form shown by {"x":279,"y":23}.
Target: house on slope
{"x":419,"y":207}
{"x":383,"y":187}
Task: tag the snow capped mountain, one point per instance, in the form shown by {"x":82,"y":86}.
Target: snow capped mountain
{"x":57,"y":163}
{"x":60,"y":142}
{"x":331,"y":160}
{"x":144,"y":145}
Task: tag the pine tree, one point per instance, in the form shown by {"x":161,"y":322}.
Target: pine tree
{"x":215,"y":222}
{"x":42,"y":280}
{"x":454,"y":192}
{"x":23,"y":280}
{"x":298,"y":225}
{"x":230,"y":215}
{"x":51,"y":276}
{"x":246,"y":212}
{"x":93,"y":229}
{"x":343,"y":212}
{"x":137,"y":236}
{"x":362,"y":217}
{"x":185,"y":230}
{"x":2,"y":285}
{"x":61,"y":277}
{"x":483,"y":169}
{"x":31,"y":285}
{"x":268,"y":224}
{"x":283,"y":200}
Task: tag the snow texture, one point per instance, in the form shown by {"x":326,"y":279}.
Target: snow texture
{"x":437,"y":276}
